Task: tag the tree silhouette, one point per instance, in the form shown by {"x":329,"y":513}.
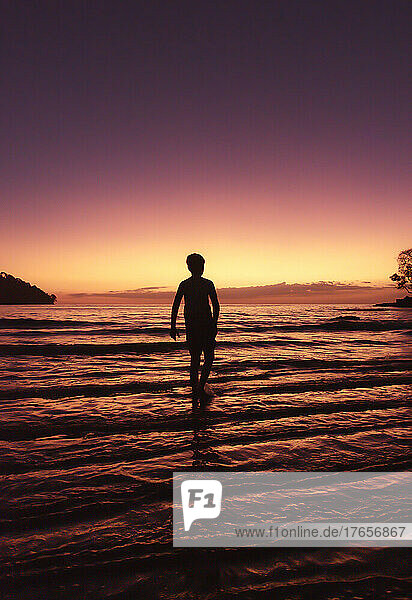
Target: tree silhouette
{"x":403,"y":277}
{"x":14,"y":290}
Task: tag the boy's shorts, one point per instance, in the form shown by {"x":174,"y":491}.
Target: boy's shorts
{"x":201,"y":336}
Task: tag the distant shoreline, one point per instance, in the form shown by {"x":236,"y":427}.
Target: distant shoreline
{"x":405,"y":302}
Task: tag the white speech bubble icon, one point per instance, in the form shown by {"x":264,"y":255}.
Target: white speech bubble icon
{"x":201,"y":499}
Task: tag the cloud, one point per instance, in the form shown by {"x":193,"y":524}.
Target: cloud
{"x":294,"y":289}
{"x":144,"y":293}
{"x":326,"y":291}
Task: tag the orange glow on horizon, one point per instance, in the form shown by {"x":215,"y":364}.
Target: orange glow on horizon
{"x":90,"y":241}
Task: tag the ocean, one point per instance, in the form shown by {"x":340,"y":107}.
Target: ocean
{"x":96,"y":414}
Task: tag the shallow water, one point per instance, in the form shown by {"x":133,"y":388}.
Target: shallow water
{"x":97,"y":414}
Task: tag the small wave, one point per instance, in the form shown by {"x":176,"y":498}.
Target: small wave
{"x":96,"y":390}
{"x":340,"y":323}
{"x":27,"y":323}
{"x":228,"y":429}
{"x":133,"y":348}
{"x":89,"y":425}
{"x":380,"y":364}
{"x":88,"y":332}
{"x":335,"y":324}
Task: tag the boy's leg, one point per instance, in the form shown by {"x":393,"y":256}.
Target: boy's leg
{"x":194,"y":369}
{"x":209,"y":354}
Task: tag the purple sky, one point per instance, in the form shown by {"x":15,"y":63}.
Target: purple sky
{"x":255,"y":132}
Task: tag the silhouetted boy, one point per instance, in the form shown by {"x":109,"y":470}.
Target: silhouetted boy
{"x":201,"y":325}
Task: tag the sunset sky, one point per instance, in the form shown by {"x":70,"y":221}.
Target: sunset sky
{"x":272,"y":137}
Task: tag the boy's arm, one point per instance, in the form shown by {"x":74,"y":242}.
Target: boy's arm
{"x":215,"y":302}
{"x":175,"y":309}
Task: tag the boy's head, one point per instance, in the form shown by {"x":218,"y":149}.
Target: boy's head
{"x":195,"y":264}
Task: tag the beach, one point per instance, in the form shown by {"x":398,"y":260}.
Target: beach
{"x":96,"y":415}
